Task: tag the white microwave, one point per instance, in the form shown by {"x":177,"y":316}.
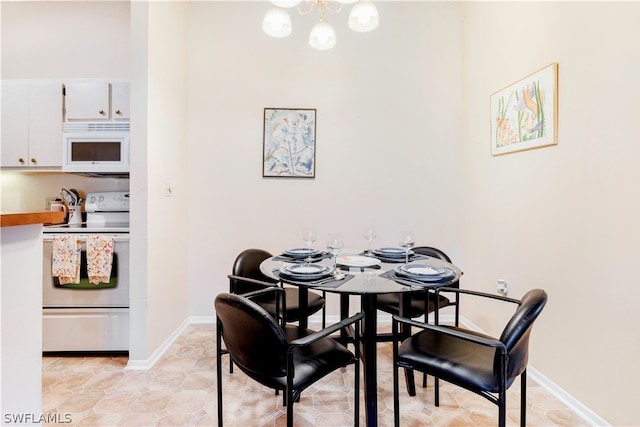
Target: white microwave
{"x":95,"y":147}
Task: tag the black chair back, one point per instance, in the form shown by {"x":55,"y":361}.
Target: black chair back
{"x":433,"y":252}
{"x":253,"y":339}
{"x":515,"y":335}
{"x":247,"y":264}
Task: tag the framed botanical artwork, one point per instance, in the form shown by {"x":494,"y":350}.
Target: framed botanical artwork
{"x":289,"y":143}
{"x":524,"y":115}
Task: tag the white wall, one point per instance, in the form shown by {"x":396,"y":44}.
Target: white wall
{"x":166,"y":166}
{"x":388,"y":134}
{"x":563,"y":218}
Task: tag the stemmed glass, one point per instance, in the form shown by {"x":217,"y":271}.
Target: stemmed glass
{"x":309,"y":236}
{"x":407,"y":241}
{"x":335,"y":243}
{"x":369,"y":234}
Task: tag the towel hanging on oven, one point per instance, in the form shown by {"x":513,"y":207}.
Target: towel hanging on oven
{"x":99,"y":258}
{"x":66,"y":259}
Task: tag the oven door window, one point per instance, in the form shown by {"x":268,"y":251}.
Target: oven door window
{"x":101,"y":151}
{"x":84,"y":277}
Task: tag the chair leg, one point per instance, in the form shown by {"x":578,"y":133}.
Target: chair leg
{"x":424,"y":380}
{"x":219,"y":373}
{"x":396,"y":397}
{"x":289,"y":398}
{"x":411,"y":382}
{"x":356,"y":414}
{"x":523,"y":399}
{"x":436,"y":383}
{"x":502,"y":408}
{"x":396,"y":388}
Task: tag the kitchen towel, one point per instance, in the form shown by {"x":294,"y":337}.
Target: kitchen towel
{"x":65,"y":262}
{"x":99,"y":258}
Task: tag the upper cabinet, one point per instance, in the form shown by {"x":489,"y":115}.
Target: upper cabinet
{"x":86,"y":101}
{"x":120,"y":101}
{"x":96,"y":100}
{"x":31,"y":123}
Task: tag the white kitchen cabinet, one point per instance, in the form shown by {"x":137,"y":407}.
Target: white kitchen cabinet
{"x":87,"y":101}
{"x":120,"y":101}
{"x":31,"y":123}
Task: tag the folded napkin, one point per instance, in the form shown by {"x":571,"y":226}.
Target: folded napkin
{"x":99,"y":258}
{"x":65,"y":262}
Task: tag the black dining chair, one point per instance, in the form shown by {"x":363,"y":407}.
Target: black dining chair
{"x":474,"y":361}
{"x":421,"y":303}
{"x":280,"y":357}
{"x":247,"y":265}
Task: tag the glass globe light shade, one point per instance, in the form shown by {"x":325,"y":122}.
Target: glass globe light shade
{"x":322,"y":36}
{"x":363,"y":17}
{"x":277,"y":22}
{"x":286,"y":3}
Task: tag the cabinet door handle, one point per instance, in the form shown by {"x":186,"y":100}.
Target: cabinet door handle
{"x":21,"y":161}
{"x":118,"y":112}
{"x":34,"y":161}
{"x":101,"y":112}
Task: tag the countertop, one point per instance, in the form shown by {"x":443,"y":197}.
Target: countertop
{"x":26,"y":218}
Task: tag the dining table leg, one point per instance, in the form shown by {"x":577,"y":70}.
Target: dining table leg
{"x":369,"y":358}
{"x":303,"y":301}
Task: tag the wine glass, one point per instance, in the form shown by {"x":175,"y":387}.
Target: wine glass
{"x":309,"y":236}
{"x":407,"y":241}
{"x":369,"y":234}
{"x":335,"y":243}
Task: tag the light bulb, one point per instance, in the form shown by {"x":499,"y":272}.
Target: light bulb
{"x":277,"y":22}
{"x":363,"y":17}
{"x":286,"y":3}
{"x":322,"y":36}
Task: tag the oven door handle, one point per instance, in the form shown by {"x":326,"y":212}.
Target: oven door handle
{"x":83,"y":237}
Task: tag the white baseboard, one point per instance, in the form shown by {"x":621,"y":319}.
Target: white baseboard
{"x":590,"y":417}
{"x":575,"y":405}
{"x":146,"y":364}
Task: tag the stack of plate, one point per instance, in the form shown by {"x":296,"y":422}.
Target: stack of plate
{"x":423,"y":272}
{"x":305,"y":272}
{"x":300,"y":253}
{"x":357,"y":261}
{"x":392,"y":253}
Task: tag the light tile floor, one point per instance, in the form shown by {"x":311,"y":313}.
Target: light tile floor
{"x":180,"y":390}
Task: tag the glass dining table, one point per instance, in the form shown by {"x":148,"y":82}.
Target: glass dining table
{"x":366,"y":282}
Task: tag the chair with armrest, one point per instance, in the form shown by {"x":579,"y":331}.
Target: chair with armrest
{"x":480,"y":363}
{"x":280,"y":357}
{"x":247,"y":265}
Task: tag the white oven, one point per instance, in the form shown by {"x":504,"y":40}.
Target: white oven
{"x":86,"y":317}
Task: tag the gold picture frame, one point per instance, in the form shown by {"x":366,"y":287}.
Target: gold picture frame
{"x":524,"y":115}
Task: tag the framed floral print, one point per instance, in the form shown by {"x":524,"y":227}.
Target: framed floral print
{"x":524,"y":115}
{"x":289,"y":143}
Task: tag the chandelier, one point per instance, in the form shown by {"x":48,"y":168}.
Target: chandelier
{"x":277,"y":22}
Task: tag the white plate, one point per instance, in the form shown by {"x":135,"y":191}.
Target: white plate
{"x":301,"y":252}
{"x":306,"y":271}
{"x":358,"y":261}
{"x":422,"y":270}
{"x":419,"y":272}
